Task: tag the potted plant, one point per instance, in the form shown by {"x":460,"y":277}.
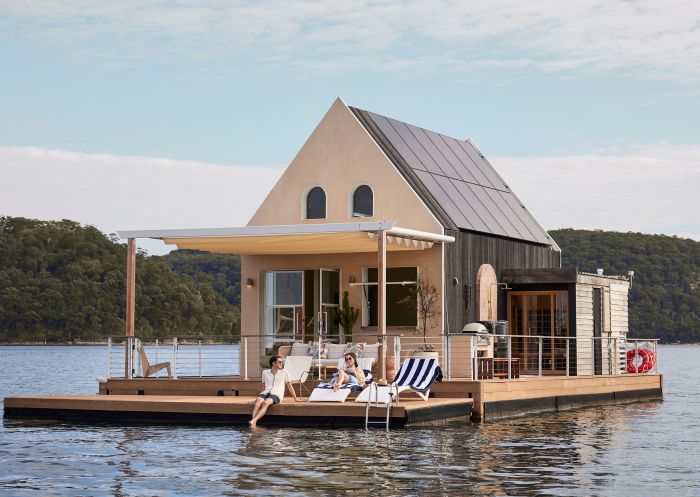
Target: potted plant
{"x":426,"y":297}
{"x":347,"y":317}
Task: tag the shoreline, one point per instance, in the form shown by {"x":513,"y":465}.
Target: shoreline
{"x":52,"y":344}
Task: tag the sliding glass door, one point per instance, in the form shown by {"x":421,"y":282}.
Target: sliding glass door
{"x":284,"y":292}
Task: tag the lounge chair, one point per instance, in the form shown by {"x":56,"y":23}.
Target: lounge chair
{"x":298,"y":368}
{"x":324,"y":391}
{"x":149,"y":369}
{"x":417,"y":374}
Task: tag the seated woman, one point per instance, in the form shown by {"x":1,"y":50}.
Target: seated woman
{"x":351,"y":374}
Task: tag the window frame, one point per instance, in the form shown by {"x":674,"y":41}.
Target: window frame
{"x":305,"y":202}
{"x":351,"y":201}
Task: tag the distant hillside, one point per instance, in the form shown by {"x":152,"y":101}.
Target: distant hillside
{"x":665,"y":295}
{"x":220,"y":272}
{"x":62,"y":281}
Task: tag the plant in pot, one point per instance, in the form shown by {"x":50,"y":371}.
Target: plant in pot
{"x":426,"y":297}
{"x":347,"y":317}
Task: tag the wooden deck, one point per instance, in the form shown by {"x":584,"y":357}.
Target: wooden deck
{"x":229,"y":401}
{"x":228,"y":410}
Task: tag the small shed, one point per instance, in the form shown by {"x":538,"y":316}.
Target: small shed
{"x":584,"y":310}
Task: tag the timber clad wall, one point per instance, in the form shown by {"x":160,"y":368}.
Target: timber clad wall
{"x":463,"y":259}
{"x":584,"y":329}
{"x":614,"y":323}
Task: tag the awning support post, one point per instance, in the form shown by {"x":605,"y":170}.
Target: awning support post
{"x":381,"y":295}
{"x":130,"y":300}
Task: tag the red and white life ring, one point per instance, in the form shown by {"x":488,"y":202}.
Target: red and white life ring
{"x":646,"y":357}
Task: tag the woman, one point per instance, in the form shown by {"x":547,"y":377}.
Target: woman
{"x":351,"y":374}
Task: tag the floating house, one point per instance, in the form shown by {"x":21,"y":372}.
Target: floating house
{"x":396,"y":216}
{"x":368,"y":206}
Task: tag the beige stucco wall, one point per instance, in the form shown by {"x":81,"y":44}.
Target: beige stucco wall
{"x":339,"y":156}
{"x":429,"y":260}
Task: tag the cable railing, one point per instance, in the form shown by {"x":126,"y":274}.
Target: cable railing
{"x":185,"y":356}
{"x":463,"y":356}
{"x":512,"y":356}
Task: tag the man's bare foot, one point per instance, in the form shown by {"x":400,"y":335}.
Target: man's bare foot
{"x":252,"y":423}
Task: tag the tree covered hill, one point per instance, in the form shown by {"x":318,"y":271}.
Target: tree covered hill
{"x":665,"y":294}
{"x":221,"y":272}
{"x":62,"y":281}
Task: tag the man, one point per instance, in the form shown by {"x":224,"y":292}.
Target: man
{"x":274,"y":380}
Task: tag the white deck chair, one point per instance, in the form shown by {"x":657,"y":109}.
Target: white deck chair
{"x":298,"y":368}
{"x":325,"y":394}
{"x":417,"y":374}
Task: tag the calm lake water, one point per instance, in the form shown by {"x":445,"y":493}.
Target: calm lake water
{"x":629,"y":450}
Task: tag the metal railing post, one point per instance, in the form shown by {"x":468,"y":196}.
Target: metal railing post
{"x":510,"y":357}
{"x":174,"y":357}
{"x":397,"y":353}
{"x":656,"y":359}
{"x":446,"y":352}
{"x":199,"y":357}
{"x":109,"y":357}
{"x":245,"y":364}
{"x":473,"y":342}
{"x":157,"y":359}
{"x":568,"y":341}
{"x":539,"y":356}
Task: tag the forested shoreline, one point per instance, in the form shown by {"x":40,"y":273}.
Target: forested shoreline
{"x":61,"y":282}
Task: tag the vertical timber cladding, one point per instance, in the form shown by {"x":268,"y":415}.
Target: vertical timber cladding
{"x":471,"y":250}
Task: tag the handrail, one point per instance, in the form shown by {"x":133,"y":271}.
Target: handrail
{"x":459,"y":354}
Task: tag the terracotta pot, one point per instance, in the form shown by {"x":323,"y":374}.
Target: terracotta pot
{"x":390,"y":368}
{"x":426,"y":354}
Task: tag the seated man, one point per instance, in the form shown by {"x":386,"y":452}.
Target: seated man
{"x":274,"y":381}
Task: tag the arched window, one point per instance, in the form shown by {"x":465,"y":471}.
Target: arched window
{"x":316,"y":203}
{"x":363,"y":202}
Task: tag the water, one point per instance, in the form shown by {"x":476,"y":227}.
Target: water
{"x":627,"y":450}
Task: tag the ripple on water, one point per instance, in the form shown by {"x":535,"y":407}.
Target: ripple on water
{"x":623,"y":450}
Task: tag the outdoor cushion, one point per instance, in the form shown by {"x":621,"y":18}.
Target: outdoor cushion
{"x":371,"y":350}
{"x":335,"y":351}
{"x":299,"y":349}
{"x":317,"y":351}
{"x":355,"y":348}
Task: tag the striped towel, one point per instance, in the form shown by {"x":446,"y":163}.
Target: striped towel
{"x":419,"y":374}
{"x":354,"y":388}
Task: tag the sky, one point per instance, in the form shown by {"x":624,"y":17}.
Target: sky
{"x":146,"y":114}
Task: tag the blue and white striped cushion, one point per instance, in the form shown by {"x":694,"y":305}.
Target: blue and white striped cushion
{"x":419,"y":374}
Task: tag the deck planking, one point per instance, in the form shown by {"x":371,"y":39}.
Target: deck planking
{"x":227,"y":410}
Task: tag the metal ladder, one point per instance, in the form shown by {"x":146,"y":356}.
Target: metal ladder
{"x":374,"y":389}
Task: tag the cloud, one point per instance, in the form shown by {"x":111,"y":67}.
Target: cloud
{"x":650,"y":188}
{"x":126,"y":192}
{"x":657,"y":39}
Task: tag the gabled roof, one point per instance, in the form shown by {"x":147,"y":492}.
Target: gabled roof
{"x":454,"y":179}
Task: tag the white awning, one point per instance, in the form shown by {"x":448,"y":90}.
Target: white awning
{"x":319,"y":238}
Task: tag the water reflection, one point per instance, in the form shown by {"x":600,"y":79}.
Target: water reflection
{"x":612,"y":450}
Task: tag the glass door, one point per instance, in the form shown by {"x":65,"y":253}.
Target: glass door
{"x":539,"y":321}
{"x":329,"y":301}
{"x":284,"y":306}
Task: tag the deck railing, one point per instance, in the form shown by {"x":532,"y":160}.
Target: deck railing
{"x":472,"y":356}
{"x":187,"y":356}
{"x":511,"y":356}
